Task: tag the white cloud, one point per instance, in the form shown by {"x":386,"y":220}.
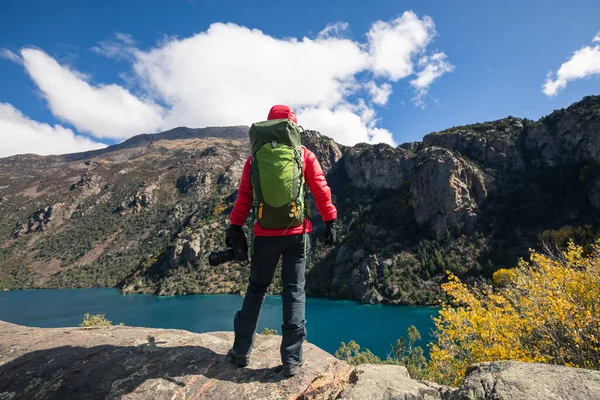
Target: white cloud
{"x":20,"y":135}
{"x":231,"y":75}
{"x":333,"y":30}
{"x":597,"y":38}
{"x":433,"y":67}
{"x":345,"y":125}
{"x":121,"y":47}
{"x":379,"y":94}
{"x":9,"y":55}
{"x":585,"y":62}
{"x":125,"y":38}
{"x":392,"y":45}
{"x":105,"y":111}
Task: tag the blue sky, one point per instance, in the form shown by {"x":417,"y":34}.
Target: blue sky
{"x":81,"y":74}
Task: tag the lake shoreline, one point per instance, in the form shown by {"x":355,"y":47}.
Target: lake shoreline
{"x":329,"y":322}
{"x":385,"y":303}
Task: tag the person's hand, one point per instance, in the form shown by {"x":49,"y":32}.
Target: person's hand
{"x":330,"y":236}
{"x":234,"y":232}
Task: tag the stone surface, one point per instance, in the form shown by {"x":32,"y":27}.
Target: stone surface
{"x":141,"y":363}
{"x":390,"y":382}
{"x":447,"y":191}
{"x":326,"y":149}
{"x":380,"y":166}
{"x":567,"y":135}
{"x":492,"y":144}
{"x":372,"y":297}
{"x":41,"y":219}
{"x":510,"y":380}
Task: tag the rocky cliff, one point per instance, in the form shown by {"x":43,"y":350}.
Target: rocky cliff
{"x":142,"y":363}
{"x":143,"y":215}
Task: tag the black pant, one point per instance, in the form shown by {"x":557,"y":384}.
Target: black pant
{"x":267,"y":250}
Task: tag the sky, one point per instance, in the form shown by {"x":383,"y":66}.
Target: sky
{"x":79,"y":75}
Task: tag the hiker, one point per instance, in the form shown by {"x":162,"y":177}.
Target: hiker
{"x":273,"y":186}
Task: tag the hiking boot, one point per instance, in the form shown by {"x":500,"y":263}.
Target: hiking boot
{"x":291,"y":370}
{"x":239,"y":360}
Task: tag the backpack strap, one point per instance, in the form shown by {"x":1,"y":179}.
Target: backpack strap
{"x":252,"y":220}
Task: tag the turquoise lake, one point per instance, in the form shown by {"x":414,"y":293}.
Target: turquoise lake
{"x":329,"y":322}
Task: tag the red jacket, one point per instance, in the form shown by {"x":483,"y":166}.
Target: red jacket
{"x":314,"y":177}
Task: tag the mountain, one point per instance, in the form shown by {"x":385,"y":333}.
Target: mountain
{"x":144,"y":215}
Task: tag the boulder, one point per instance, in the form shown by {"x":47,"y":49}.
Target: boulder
{"x":511,"y":380}
{"x":371,"y":382}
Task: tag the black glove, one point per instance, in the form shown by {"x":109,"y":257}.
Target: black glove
{"x":234,"y":232}
{"x":235,"y":239}
{"x":330,"y":234}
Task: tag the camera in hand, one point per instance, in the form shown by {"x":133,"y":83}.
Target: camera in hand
{"x":238,"y":252}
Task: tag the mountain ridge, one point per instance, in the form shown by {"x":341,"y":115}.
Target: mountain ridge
{"x":143,"y":215}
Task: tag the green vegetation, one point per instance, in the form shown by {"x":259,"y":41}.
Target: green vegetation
{"x":404,"y":353}
{"x":269,"y":332}
{"x":96,"y":320}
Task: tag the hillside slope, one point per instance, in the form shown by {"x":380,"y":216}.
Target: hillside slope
{"x":144,"y":214}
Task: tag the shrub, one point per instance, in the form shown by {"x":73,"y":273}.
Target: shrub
{"x":404,"y":352}
{"x":504,"y":276}
{"x":269,"y":332}
{"x":548,"y":313}
{"x":96,"y":320}
{"x":353,"y":355}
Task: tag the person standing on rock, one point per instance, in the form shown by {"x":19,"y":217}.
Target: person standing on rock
{"x":272,"y":186}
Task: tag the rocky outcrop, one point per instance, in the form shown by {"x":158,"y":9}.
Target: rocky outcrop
{"x":326,"y":149}
{"x":229,"y":180}
{"x":372,"y":297}
{"x":495,"y":145}
{"x":380,"y":166}
{"x":144,"y":198}
{"x":121,"y":362}
{"x":512,"y":380}
{"x":41,"y":219}
{"x":568,"y":135}
{"x":141,"y":363}
{"x":447,"y":191}
{"x":370,"y":382}
{"x":88,"y":182}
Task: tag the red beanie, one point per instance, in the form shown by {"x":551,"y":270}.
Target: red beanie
{"x":281,"y":111}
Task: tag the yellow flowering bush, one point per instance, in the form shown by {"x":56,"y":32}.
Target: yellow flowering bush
{"x":503,"y":276}
{"x":548,"y":311}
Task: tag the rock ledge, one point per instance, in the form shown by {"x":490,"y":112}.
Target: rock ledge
{"x":144,"y":363}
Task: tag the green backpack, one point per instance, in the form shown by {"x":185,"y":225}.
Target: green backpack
{"x":276,"y":174}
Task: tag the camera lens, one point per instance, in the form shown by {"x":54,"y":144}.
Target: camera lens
{"x":219,"y":257}
{"x":213,"y":258}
